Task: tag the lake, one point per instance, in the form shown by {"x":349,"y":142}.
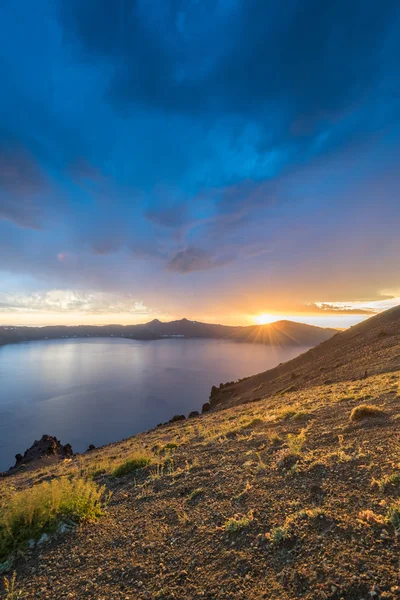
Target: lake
{"x":96,"y":391}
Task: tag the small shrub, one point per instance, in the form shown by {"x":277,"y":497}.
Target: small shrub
{"x":386,"y":482}
{"x":169,"y":447}
{"x":365,"y":411}
{"x":237,"y":523}
{"x":277,"y":535}
{"x":296,"y":442}
{"x":28,"y":513}
{"x":368,"y":516}
{"x":10,"y":587}
{"x":286,"y":413}
{"x":134,"y":463}
{"x":393,"y":516}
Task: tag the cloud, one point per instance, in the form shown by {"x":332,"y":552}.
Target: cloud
{"x":69,"y":301}
{"x":313,"y":58}
{"x":194,"y":259}
{"x":21,"y":185}
{"x":341,"y":308}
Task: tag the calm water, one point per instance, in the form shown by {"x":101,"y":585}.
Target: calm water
{"x":101,"y":390}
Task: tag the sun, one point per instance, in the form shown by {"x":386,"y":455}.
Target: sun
{"x":265,"y":318}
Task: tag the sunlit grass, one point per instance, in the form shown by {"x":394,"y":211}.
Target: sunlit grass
{"x":28,"y":513}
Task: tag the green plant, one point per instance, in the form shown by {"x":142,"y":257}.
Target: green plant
{"x":393,"y":516}
{"x":26,"y":514}
{"x":169,"y":446}
{"x":286,"y":413}
{"x":296,"y":442}
{"x":387,"y":481}
{"x":10,"y":587}
{"x":365,"y":411}
{"x":277,"y":535}
{"x":135,"y":462}
{"x":237,"y":523}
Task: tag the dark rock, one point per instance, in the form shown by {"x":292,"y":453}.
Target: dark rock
{"x":177,"y":418}
{"x":48,"y":445}
{"x":194,"y":413}
{"x":206,"y":407}
{"x":91,"y":447}
{"x":214,"y":391}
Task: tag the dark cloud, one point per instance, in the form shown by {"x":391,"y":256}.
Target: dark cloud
{"x":21,"y":185}
{"x":313,"y":58}
{"x":194,"y":259}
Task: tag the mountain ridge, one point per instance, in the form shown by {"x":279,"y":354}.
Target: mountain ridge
{"x":278,"y":333}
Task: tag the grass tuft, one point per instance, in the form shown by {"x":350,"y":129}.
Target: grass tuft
{"x":134,"y":463}
{"x":277,"y":535}
{"x":29,"y":513}
{"x":393,"y":516}
{"x":366,"y":411}
{"x":10,"y":588}
{"x":237,"y":523}
{"x":296,"y":442}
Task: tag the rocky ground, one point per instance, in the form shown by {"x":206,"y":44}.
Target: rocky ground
{"x":284,"y":498}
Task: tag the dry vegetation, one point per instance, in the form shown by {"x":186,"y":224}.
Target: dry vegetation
{"x":284,"y":498}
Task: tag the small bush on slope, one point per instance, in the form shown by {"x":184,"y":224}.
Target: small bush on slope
{"x":135,"y":462}
{"x":365,"y":411}
{"x":10,"y":587}
{"x":29,"y":513}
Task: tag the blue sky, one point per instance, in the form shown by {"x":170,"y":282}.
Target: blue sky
{"x":209,"y":159}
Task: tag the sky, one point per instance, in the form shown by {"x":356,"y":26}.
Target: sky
{"x":211,"y":159}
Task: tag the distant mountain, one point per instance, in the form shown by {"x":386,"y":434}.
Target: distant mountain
{"x":369,"y":348}
{"x":281,"y":333}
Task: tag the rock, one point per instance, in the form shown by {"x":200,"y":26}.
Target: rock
{"x":43,"y":538}
{"x":194,"y":413}
{"x":214,"y":392}
{"x":177,"y":418}
{"x":91,"y":447}
{"x":64,"y":527}
{"x":206,"y":407}
{"x":48,"y":445}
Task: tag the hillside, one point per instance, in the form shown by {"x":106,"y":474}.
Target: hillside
{"x":295,"y":495}
{"x":282,"y":333}
{"x":368,"y":348}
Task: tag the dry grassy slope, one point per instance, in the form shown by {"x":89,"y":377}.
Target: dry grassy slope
{"x":163,"y":534}
{"x":372,"y":346}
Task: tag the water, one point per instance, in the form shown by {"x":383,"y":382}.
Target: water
{"x":96,"y":391}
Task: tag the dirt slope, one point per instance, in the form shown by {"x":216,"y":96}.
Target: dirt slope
{"x":368,"y":348}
